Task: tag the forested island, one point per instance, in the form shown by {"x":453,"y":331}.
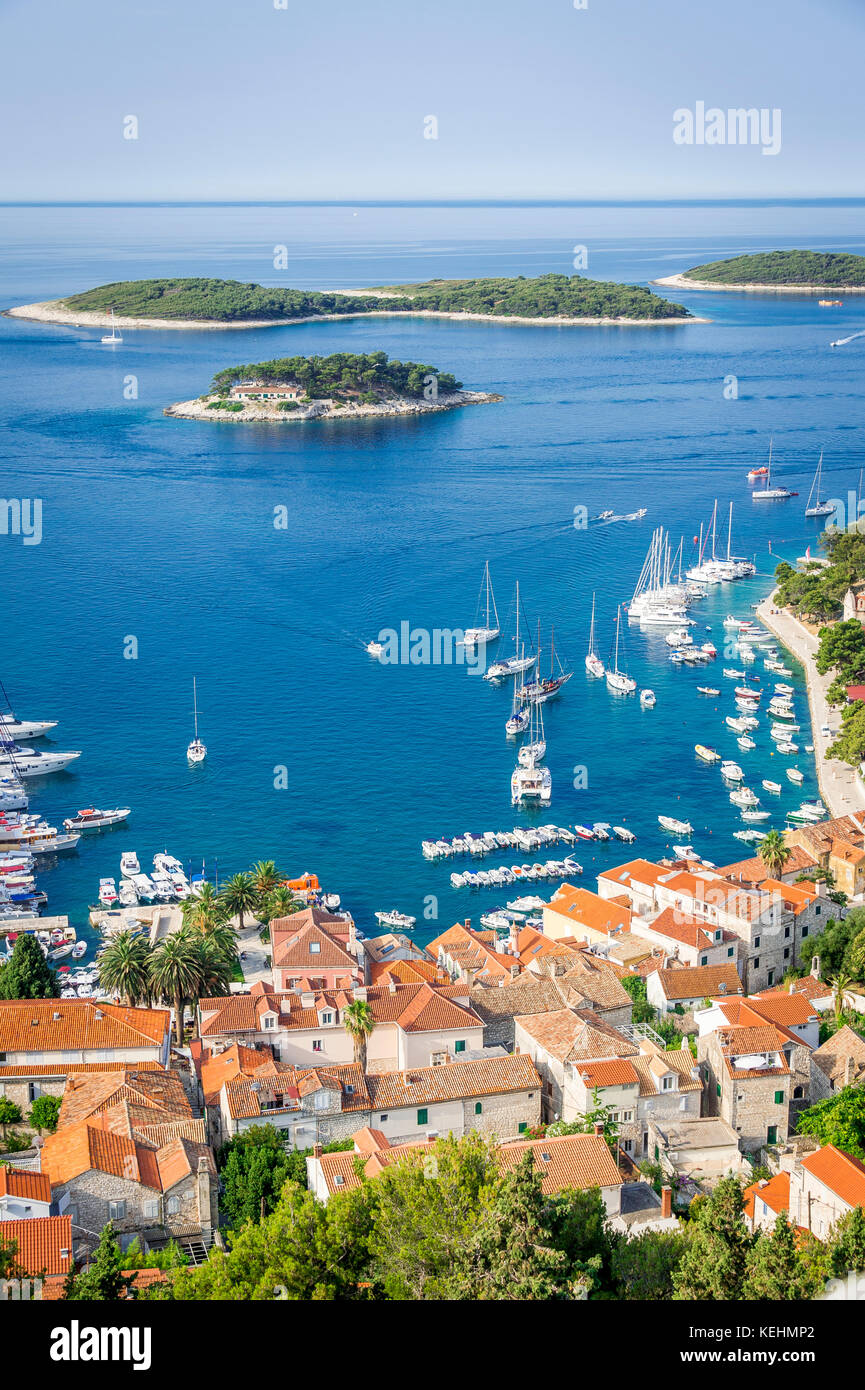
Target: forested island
{"x":783,"y":271}
{"x":213,"y":303}
{"x":345,"y":384}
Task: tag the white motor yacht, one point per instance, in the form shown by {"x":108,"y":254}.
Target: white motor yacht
{"x":22,"y":729}
{"x":129,"y":865}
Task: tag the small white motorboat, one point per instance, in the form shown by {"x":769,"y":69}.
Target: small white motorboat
{"x":678,"y":827}
{"x":772,"y":787}
{"x":647,"y":699}
{"x":129,"y":865}
{"x":374,"y":649}
{"x":795,"y":775}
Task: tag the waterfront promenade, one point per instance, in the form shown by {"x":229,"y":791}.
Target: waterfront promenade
{"x":840,"y":784}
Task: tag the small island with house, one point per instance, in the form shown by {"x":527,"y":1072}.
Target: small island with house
{"x":776,"y":272}
{"x":346,"y":385}
{"x":562,"y":300}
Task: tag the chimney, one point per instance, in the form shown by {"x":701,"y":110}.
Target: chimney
{"x":791,"y":988}
{"x":467,"y":921}
{"x":666,"y":1201}
{"x":815,"y":967}
{"x":598,"y":1127}
{"x":848,"y":1071}
{"x":391,"y":985}
{"x":352,"y":937}
{"x":316,"y":1150}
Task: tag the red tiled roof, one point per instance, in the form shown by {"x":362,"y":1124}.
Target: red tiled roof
{"x":60,"y":1025}
{"x":44,"y":1243}
{"x":19,"y":1182}
{"x":840,"y":1172}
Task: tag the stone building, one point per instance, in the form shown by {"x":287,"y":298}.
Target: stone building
{"x":747,"y":1083}
{"x":43,"y":1041}
{"x":497,"y":1095}
{"x":839,"y":1062}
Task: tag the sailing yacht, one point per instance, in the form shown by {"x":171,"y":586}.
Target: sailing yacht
{"x":616,"y":679}
{"x":770,"y":493}
{"x":113,"y":336}
{"x":545,"y":687}
{"x":196,"y":752}
{"x":819,"y":508}
{"x":474,"y":636}
{"x":511,"y":665}
{"x":531,"y":753}
{"x":521,"y":710}
{"x":594,"y":665}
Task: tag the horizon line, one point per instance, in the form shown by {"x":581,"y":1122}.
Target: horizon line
{"x":732,"y":200}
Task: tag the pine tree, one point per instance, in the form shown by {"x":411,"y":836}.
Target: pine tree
{"x":775,"y":1269}
{"x":104,"y":1281}
{"x":28,"y":974}
{"x":714,"y":1264}
{"x":511,"y":1254}
{"x":847,"y":1244}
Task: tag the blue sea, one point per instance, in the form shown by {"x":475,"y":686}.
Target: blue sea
{"x":162,"y":530}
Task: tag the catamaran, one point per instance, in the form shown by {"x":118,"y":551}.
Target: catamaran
{"x":616,"y":679}
{"x":196,"y":752}
{"x":530,"y":781}
{"x":511,"y":665}
{"x":474,"y":636}
{"x":770,"y":493}
{"x":594,"y":665}
{"x":113,"y":336}
{"x":819,"y":508}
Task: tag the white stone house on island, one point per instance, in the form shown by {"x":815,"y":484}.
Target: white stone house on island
{"x":267,"y":391}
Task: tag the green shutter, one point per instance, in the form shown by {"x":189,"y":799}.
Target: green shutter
{"x":479,"y":1109}
{"x":779,"y":1097}
{"x":522,"y":1127}
{"x":772,"y":1135}
{"x":460,"y":1046}
{"x":719,"y":1088}
{"x":422,"y":1117}
{"x":731,"y":951}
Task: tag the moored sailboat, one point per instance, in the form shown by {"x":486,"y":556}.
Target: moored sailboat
{"x":594,"y":665}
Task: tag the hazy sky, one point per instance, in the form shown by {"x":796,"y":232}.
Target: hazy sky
{"x":238,"y":99}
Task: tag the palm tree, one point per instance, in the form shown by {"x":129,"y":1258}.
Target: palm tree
{"x":124,"y":968}
{"x":215,"y":966}
{"x":359,"y":1024}
{"x":203,"y":909}
{"x":266,"y":876}
{"x":840,"y":987}
{"x":176,"y":973}
{"x":280,"y":903}
{"x":240,"y":895}
{"x":774,"y":852}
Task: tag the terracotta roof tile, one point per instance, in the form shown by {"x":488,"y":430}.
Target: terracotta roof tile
{"x":453,"y":1081}
{"x":44,"y":1243}
{"x":700,"y":981}
{"x":19,"y":1182}
{"x":59,"y":1025}
{"x":584,"y":908}
{"x":566,"y":1161}
{"x":840,"y":1172}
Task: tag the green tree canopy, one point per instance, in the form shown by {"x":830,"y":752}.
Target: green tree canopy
{"x":28,"y":974}
{"x":839,"y":1120}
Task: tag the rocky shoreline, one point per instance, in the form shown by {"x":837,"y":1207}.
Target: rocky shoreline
{"x":55,"y":312}
{"x":681,"y":282}
{"x":327,"y":410}
{"x":840,"y":785}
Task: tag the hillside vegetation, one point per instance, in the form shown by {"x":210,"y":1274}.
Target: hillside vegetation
{"x":785,"y":268}
{"x":367,"y":377}
{"x":228,"y":301}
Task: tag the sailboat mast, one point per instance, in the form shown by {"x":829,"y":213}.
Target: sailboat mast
{"x":195,"y":706}
{"x":730,"y":531}
{"x":618,"y":619}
